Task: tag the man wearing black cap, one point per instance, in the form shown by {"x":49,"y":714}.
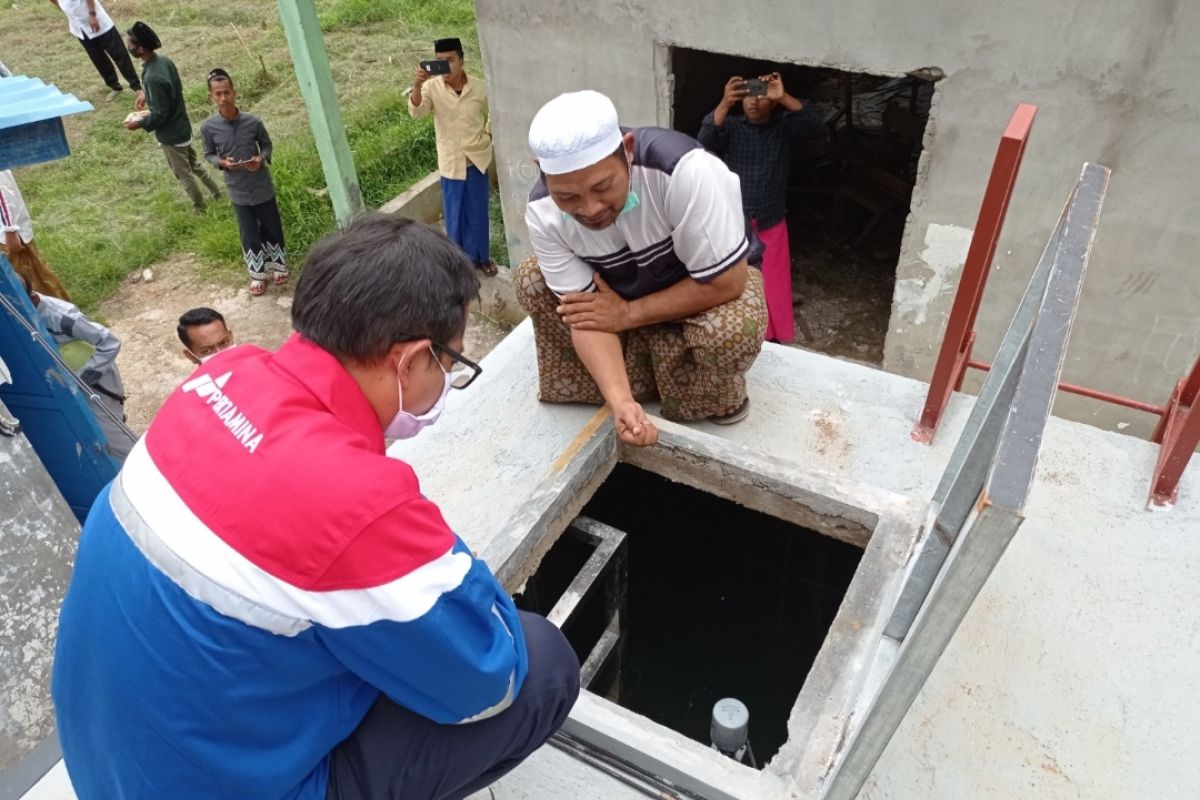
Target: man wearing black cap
{"x":464,"y":148}
{"x":163,"y":93}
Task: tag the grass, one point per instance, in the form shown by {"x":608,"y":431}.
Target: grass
{"x":435,"y":18}
{"x":112,"y":207}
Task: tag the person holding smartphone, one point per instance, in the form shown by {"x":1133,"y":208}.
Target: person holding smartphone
{"x":238,"y":144}
{"x":757,"y":145}
{"x":464,"y":146}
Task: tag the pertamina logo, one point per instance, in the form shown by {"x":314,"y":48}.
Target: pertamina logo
{"x":210,"y":390}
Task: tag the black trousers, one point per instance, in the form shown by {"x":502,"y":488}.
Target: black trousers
{"x":105,"y":50}
{"x":397,"y":755}
{"x":261,"y":231}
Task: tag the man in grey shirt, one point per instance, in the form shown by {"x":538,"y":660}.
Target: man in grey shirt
{"x":238,"y":145}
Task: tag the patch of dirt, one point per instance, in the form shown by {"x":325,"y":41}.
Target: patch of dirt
{"x":144,"y":314}
{"x":844,"y":294}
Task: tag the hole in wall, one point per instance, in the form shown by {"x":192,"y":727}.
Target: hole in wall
{"x":721,"y":601}
{"x":849,"y":187}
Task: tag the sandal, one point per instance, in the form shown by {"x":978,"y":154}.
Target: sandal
{"x":486,"y":267}
{"x":737,"y":415}
{"x":279,"y":278}
{"x":258,"y":286}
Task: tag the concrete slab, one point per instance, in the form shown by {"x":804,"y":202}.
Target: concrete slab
{"x":1044,"y":690}
{"x":552,"y":773}
{"x":38,"y":534}
{"x":1070,"y":677}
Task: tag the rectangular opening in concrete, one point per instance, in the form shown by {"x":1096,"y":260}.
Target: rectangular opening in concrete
{"x":849,"y":186}
{"x":719,"y":601}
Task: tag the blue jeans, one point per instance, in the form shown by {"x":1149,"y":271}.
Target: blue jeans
{"x":395,"y":753}
{"x":465,"y":207}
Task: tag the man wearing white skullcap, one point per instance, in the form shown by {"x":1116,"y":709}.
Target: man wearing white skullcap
{"x":641,"y":287}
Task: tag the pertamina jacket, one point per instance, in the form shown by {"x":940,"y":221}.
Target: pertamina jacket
{"x":258,"y":572}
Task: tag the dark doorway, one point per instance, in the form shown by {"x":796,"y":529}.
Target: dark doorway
{"x":849,"y":190}
{"x":722,"y":601}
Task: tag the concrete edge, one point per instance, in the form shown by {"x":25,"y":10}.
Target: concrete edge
{"x":423,"y":203}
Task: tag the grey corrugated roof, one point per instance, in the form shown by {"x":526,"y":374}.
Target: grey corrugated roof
{"x":24,"y":100}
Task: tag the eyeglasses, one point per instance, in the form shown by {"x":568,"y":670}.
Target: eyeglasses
{"x":463,"y":371}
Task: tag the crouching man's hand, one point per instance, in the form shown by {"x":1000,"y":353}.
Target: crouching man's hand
{"x":633,"y":426}
{"x":601,"y":310}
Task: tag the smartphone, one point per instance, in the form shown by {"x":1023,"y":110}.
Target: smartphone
{"x":438,"y":66}
{"x":755,"y":88}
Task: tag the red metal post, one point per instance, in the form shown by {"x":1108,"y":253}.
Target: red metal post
{"x":956,"y":344}
{"x":1180,"y":436}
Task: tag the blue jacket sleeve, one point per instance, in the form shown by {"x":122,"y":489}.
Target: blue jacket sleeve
{"x":461,"y":661}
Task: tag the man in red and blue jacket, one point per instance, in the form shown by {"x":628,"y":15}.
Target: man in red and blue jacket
{"x":264,"y":605}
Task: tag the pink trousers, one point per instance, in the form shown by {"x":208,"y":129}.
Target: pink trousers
{"x":777,"y":282}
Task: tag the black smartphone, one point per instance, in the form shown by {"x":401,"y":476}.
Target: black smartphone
{"x":755,"y":88}
{"x":438,"y":66}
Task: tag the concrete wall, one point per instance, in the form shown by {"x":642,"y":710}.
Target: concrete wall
{"x":1116,"y":82}
{"x":38,"y":534}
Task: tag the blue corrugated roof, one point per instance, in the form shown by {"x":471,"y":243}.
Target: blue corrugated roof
{"x":24,"y":100}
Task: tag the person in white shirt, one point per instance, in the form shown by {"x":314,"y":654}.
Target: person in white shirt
{"x":95,"y":30}
{"x":644,"y":283}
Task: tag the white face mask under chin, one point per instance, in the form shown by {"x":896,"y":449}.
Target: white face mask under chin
{"x":406,"y":425}
{"x":202,"y":359}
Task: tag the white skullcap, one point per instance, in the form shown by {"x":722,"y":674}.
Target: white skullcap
{"x":573,"y":131}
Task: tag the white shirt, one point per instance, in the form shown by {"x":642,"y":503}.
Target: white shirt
{"x":14,"y":216}
{"x":80,"y":22}
{"x":688,"y":222}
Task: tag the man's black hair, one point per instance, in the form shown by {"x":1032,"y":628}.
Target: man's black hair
{"x":218,"y":74}
{"x":194,"y":318}
{"x":448,"y":44}
{"x":385,"y":279}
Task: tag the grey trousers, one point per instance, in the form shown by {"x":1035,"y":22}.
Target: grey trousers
{"x":118,"y":441}
{"x":395,"y":754}
{"x":186,"y":168}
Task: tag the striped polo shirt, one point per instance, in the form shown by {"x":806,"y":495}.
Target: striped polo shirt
{"x":688,"y":222}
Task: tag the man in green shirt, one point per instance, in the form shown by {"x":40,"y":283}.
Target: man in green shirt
{"x":162,"y":93}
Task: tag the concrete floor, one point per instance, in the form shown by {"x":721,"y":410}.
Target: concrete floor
{"x":1071,"y":676}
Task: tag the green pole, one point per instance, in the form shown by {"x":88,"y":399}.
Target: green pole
{"x":311,"y":62}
